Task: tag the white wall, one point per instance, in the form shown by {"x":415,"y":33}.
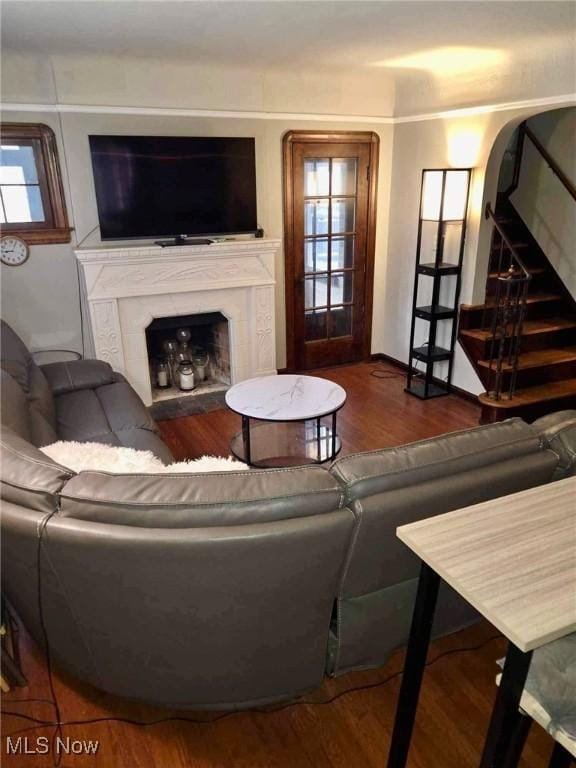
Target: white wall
{"x":544,"y":204}
{"x":40,"y":298}
{"x":123,"y":81}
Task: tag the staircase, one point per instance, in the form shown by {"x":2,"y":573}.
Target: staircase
{"x":522,"y":340}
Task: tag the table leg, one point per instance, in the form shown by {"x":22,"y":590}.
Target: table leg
{"x":246,"y":439}
{"x":318,"y":440}
{"x":560,"y":758}
{"x":334,"y":435}
{"x":517,"y":741}
{"x":414,"y":664}
{"x":506,"y":714}
{"x":11,"y":672}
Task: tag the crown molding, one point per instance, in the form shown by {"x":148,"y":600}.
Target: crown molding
{"x":568,"y":99}
{"x":565,"y":99}
{"x":175,"y":112}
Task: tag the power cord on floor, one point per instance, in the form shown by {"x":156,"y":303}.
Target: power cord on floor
{"x":58,"y":723}
{"x":383,"y":373}
{"x":226,"y":715}
{"x":386,"y":373}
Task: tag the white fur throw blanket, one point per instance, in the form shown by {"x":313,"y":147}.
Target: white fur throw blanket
{"x":111,"y":458}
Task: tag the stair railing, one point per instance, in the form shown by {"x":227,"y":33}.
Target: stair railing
{"x":524,"y":132}
{"x":508,"y":310}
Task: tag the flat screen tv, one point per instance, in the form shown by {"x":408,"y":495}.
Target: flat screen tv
{"x":151,"y":186}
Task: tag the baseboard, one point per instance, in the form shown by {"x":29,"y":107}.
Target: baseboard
{"x":380,"y":356}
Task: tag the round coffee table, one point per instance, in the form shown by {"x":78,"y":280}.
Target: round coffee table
{"x":289,"y":410}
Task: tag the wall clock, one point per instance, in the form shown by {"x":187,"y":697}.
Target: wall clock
{"x":13,"y":251}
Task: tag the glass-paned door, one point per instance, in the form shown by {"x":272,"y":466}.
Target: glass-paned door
{"x":330,"y":198}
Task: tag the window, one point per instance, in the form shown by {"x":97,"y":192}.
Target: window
{"x":32,"y":201}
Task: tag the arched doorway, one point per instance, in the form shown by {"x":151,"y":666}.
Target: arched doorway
{"x":521,"y":335}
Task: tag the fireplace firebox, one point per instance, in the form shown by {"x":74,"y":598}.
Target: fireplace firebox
{"x":188,"y":355}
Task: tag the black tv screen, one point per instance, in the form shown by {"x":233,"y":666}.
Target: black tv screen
{"x":151,"y":186}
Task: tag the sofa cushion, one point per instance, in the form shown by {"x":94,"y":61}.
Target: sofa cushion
{"x":29,"y":478}
{"x":145,"y":440}
{"x":111,"y":414}
{"x":18,"y":362}
{"x":381,"y":514}
{"x":364,"y":474}
{"x":188,"y":500}
{"x":14,"y":408}
{"x":16,"y":358}
{"x":77,"y":374}
{"x":42,"y":411}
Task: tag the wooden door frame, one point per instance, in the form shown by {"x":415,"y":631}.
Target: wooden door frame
{"x":327,"y":137}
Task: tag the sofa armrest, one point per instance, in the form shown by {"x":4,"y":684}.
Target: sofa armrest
{"x":559,"y":431}
{"x":78,"y":374}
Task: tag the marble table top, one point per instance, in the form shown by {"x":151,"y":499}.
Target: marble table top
{"x":285,"y":397}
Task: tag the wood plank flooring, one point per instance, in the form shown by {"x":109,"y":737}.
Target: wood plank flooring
{"x":352,"y":731}
{"x":377,"y":414}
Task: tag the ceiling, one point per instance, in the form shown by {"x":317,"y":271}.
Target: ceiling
{"x":313,"y":34}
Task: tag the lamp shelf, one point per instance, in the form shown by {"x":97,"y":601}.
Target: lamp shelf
{"x":431,"y":354}
{"x":441,"y":235}
{"x":442,"y":268}
{"x":437,"y":312}
{"x":419,"y":389}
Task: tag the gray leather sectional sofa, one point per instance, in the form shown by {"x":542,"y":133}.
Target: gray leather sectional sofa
{"x":231,"y":589}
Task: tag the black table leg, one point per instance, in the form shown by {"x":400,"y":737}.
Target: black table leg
{"x":506,"y":714}
{"x":334,"y":435}
{"x":561,"y":758}
{"x":246,"y":439}
{"x":12,"y":671}
{"x":416,"y":653}
{"x":517,"y":741}
{"x":318,"y":440}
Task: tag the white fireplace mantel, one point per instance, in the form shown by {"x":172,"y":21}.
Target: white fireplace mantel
{"x":128,"y":287}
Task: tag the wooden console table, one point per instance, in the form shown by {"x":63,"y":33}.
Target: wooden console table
{"x":514,"y":560}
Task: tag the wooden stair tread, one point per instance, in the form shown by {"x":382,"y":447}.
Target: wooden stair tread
{"x":530,"y":270}
{"x":532,"y":298}
{"x":529,"y":327}
{"x":538,"y":358}
{"x":546,"y":365}
{"x":554,"y":390}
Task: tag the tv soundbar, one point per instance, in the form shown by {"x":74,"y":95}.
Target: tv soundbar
{"x":183,"y":240}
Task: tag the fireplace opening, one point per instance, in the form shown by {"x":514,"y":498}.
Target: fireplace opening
{"x":188,"y":355}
